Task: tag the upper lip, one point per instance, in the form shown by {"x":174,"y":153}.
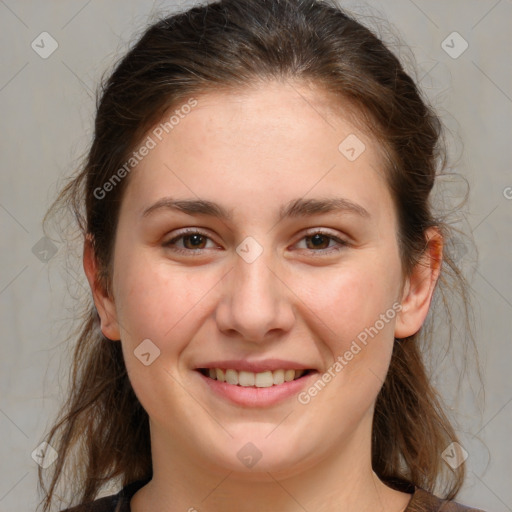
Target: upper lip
{"x":255,"y":366}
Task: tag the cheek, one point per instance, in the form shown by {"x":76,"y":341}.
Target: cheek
{"x":163,"y":304}
{"x":355,"y":303}
{"x":161,"y":301}
{"x":155,"y":298}
{"x":356,"y":307}
{"x":350,"y":299}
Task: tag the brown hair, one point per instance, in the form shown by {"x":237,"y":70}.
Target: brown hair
{"x":103,"y":431}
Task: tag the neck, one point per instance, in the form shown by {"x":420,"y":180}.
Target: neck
{"x":342,"y":480}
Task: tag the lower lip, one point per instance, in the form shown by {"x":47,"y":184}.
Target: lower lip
{"x":257,"y":397}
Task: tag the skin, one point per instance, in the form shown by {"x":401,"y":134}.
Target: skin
{"x":253,"y":151}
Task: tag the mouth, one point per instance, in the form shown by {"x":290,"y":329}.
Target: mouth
{"x":249,"y":384}
{"x":247,"y":379}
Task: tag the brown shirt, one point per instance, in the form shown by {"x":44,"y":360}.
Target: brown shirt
{"x":421,"y":501}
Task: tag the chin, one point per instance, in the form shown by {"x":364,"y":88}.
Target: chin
{"x":255,"y":454}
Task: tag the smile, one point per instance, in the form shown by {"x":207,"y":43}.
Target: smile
{"x":243,"y":378}
{"x":260,"y":389}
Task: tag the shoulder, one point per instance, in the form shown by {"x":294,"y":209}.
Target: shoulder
{"x":119,"y":502}
{"x":424,"y":501}
{"x":107,"y":504}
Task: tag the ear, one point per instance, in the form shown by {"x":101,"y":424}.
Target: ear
{"x":102,"y":300}
{"x":419,"y":287}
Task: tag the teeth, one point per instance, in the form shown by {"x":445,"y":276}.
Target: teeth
{"x":264,"y":380}
{"x":278,"y":376}
{"x":231,"y":377}
{"x":260,"y":380}
{"x":289,"y":375}
{"x":246,"y":378}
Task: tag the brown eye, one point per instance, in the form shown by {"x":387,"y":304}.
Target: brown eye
{"x":196,"y":241}
{"x":318,"y":242}
{"x":189,"y":242}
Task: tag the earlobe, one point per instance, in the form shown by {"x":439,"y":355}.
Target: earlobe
{"x":419,"y":287}
{"x":104,"y":303}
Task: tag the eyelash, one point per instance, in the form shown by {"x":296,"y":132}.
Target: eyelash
{"x":341,"y":243}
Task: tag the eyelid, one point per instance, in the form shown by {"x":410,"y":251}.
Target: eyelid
{"x":323,"y":231}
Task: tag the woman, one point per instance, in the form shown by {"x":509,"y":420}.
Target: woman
{"x":262,"y":256}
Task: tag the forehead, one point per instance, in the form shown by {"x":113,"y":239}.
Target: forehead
{"x":257,"y":146}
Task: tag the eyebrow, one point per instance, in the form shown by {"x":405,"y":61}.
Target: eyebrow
{"x":299,"y":207}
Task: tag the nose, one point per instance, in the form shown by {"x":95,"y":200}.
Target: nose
{"x":256,"y":303}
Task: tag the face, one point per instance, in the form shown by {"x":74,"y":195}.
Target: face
{"x":302,"y":273}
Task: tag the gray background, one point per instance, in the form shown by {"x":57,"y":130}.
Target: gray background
{"x":47,"y":108}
